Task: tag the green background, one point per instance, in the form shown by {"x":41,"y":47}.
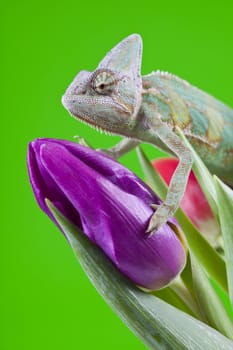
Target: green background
{"x":46,"y":300}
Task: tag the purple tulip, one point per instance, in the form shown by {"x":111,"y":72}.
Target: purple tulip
{"x":110,"y":204}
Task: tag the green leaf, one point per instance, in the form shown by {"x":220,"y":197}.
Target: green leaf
{"x":224,"y":297}
{"x":225,"y":208}
{"x":153,"y":178}
{"x":203,"y":251}
{"x":210,"y":304}
{"x":187,"y":277}
{"x":158,"y":324}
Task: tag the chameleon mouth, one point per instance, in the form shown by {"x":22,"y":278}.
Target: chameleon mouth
{"x":68,"y":102}
{"x":75,"y":104}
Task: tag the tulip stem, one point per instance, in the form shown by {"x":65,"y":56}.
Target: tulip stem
{"x":188,"y":298}
{"x":174,"y":296}
{"x":181,"y":294}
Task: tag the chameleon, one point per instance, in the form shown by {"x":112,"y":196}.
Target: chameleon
{"x":117,"y":99}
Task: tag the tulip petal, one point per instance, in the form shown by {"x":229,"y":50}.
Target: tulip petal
{"x":44,"y":187}
{"x":111,"y":205}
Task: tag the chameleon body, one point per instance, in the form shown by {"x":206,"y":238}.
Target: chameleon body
{"x":117,"y":99}
{"x":206,"y":122}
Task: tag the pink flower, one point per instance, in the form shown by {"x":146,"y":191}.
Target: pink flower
{"x":194,"y":203}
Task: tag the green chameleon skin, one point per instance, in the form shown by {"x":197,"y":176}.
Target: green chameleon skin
{"x":117,"y":99}
{"x":206,"y":122}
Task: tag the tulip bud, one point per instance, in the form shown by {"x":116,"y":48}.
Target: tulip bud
{"x":110,"y":204}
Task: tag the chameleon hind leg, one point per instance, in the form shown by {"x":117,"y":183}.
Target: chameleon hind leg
{"x":179,"y":179}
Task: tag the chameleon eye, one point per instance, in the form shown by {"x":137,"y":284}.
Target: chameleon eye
{"x":104,"y":82}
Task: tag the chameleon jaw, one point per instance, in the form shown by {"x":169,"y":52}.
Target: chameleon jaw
{"x":95,"y":127}
{"x":97,"y":112}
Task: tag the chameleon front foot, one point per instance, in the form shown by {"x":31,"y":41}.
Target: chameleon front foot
{"x":121,"y":148}
{"x":109,"y":152}
{"x":160,"y":217}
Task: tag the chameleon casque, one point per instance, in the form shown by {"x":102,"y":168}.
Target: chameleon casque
{"x":117,"y":99}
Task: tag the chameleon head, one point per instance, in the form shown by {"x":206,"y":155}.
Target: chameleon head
{"x":109,"y":98}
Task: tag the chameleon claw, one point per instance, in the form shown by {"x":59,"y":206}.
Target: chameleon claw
{"x":149,"y":234}
{"x":109,"y":152}
{"x":152,"y":227}
{"x":160,"y":217}
{"x":154,"y":206}
{"x":81,"y":141}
